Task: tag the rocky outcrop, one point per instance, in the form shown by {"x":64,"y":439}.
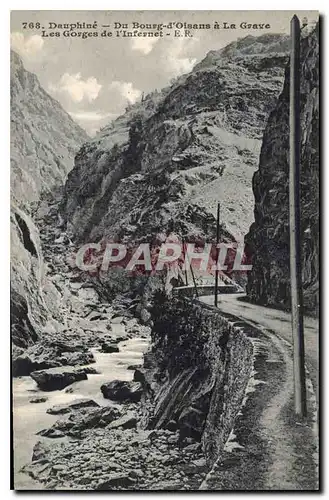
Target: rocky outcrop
{"x":39,"y":399}
{"x":50,"y":354}
{"x":28,"y":305}
{"x":77,"y":404}
{"x":54,"y":379}
{"x":117,"y":459}
{"x":196,"y":374}
{"x":81,"y":417}
{"x":44,"y":140}
{"x":128,"y":421}
{"x":268,"y":238}
{"x":163,"y":166}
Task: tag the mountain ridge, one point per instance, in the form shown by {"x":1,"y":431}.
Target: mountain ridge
{"x":44,"y":139}
{"x":179,"y":151}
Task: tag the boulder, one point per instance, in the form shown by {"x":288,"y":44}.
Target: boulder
{"x":133,"y":367}
{"x":123,"y":391}
{"x":39,"y":400}
{"x":126,"y":422}
{"x":40,"y":451}
{"x":139,"y":376}
{"x":74,"y":405}
{"x":25,"y":364}
{"x":195,"y":467}
{"x":51,"y":354}
{"x":173,"y":439}
{"x":51,"y":433}
{"x":66,"y":345}
{"x":56,"y":379}
{"x":109,"y":347}
{"x":81,"y":419}
{"x":89,"y":370}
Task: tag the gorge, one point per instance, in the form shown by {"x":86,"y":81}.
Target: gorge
{"x":120,"y":384}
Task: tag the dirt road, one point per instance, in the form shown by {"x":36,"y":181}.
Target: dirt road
{"x":275,"y":321}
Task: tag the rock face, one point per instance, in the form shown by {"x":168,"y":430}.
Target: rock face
{"x":109,"y":347}
{"x":164,"y":164}
{"x":44,"y":140}
{"x":26,"y":279}
{"x":126,"y":422}
{"x":196,"y":374}
{"x":268,"y":238}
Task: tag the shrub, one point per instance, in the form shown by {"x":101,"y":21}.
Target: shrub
{"x":179,"y":333}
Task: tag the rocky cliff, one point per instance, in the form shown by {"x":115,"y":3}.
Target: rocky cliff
{"x":268,"y":238}
{"x":196,"y":374}
{"x":44,"y":140}
{"x":163,"y":166}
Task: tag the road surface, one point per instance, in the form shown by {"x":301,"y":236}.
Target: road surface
{"x":276,"y":321}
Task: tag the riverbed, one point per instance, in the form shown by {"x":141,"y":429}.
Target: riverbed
{"x":30,"y":418}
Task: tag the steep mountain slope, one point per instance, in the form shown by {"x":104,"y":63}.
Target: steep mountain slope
{"x":165,"y":163}
{"x":268,"y":238}
{"x":44,"y":140}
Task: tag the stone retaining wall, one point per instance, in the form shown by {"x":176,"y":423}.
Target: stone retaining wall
{"x":199,"y":368}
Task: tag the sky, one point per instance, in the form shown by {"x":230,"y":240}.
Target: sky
{"x":95,"y":78}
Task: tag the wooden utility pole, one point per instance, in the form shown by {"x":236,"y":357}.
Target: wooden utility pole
{"x":295,"y":233}
{"x":185,"y":272}
{"x":217,"y":254}
{"x":194,"y":282}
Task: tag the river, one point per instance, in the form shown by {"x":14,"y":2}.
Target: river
{"x":30,"y":418}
